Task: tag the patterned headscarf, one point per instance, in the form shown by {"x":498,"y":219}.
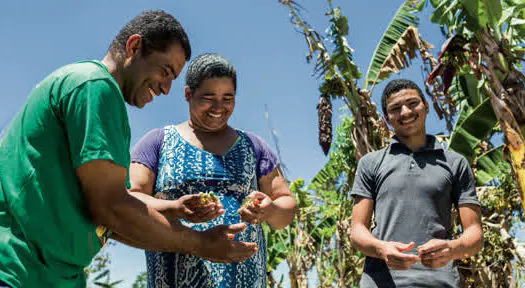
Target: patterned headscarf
{"x":209,"y":65}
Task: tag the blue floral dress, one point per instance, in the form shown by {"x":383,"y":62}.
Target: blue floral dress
{"x":185,"y":169}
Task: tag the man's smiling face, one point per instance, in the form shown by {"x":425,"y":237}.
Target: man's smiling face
{"x":406,"y":113}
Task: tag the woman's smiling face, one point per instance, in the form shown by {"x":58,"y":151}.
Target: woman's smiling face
{"x":211,"y":103}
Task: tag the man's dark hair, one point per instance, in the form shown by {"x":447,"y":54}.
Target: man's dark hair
{"x":209,"y":65}
{"x":397,"y":85}
{"x":158,"y":30}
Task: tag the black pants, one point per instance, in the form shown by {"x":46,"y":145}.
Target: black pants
{"x":3,"y":285}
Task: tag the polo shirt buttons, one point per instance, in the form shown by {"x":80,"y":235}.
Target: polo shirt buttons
{"x":411,"y":165}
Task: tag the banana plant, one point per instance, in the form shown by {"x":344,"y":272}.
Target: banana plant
{"x":475,"y":125}
{"x":338,"y":263}
{"x":339,"y":74}
{"x":487,"y":35}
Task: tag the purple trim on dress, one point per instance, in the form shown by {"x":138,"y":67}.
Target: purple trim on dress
{"x":266,"y":159}
{"x":147,"y":149}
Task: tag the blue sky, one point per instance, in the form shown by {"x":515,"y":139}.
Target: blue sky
{"x":255,"y":36}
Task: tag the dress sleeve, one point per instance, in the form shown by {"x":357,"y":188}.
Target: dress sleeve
{"x":147,"y":149}
{"x":266,"y":159}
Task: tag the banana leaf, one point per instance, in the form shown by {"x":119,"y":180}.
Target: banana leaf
{"x":487,"y":165}
{"x":475,"y":127}
{"x":402,"y":20}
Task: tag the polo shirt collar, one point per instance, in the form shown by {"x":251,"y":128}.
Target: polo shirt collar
{"x":432,"y":143}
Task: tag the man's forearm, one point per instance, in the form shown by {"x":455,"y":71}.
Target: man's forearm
{"x":283,"y":213}
{"x":470,"y":243}
{"x":144,"y":227}
{"x":365,"y":242}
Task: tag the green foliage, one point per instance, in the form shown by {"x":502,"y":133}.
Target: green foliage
{"x":402,"y":20}
{"x":513,"y":17}
{"x":481,"y":13}
{"x":141,"y":281}
{"x":475,"y":125}
{"x":488,"y":164}
{"x":98,"y":271}
{"x":337,"y":263}
{"x":342,"y":56}
{"x":466,"y":17}
{"x":340,"y":163}
{"x":277,"y":246}
{"x":501,"y":209}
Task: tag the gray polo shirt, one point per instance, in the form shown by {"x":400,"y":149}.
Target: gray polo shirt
{"x":413,"y":194}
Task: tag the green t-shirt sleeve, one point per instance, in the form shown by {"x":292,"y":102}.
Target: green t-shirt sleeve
{"x":96,"y":122}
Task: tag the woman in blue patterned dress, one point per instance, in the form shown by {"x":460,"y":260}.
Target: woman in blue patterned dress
{"x":204,"y":154}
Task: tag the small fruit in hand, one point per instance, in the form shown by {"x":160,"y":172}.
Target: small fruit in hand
{"x":207,"y":198}
{"x":250,"y":202}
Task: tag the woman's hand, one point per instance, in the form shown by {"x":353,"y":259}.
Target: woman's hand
{"x":257,"y":209}
{"x":190,"y":208}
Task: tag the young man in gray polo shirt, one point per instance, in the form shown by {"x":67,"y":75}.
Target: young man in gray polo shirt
{"x":410,"y":187}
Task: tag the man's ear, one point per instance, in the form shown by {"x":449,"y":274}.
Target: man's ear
{"x":426,"y":106}
{"x":133,"y":45}
{"x":187,"y":93}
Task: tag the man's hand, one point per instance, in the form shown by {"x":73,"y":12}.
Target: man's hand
{"x":391,"y":253}
{"x":435,"y":253}
{"x":219,"y":247}
{"x":257,"y":208}
{"x":189,"y":208}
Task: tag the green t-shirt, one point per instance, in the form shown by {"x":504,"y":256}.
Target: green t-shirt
{"x":76,"y":115}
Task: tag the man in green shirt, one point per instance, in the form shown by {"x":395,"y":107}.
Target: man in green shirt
{"x":64,"y":165}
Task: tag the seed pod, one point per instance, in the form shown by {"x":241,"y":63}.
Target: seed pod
{"x":438,"y":70}
{"x":324,"y":113}
{"x":448,"y":74}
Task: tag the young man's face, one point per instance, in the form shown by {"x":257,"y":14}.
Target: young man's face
{"x":406,"y":113}
{"x":149,"y":76}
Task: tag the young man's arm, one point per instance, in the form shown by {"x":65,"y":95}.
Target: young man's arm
{"x":437,"y":252}
{"x":364,"y":241}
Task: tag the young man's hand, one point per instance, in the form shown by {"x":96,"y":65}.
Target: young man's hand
{"x":218,"y":246}
{"x":392,"y":254}
{"x":435,"y":253}
{"x":190,"y":208}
